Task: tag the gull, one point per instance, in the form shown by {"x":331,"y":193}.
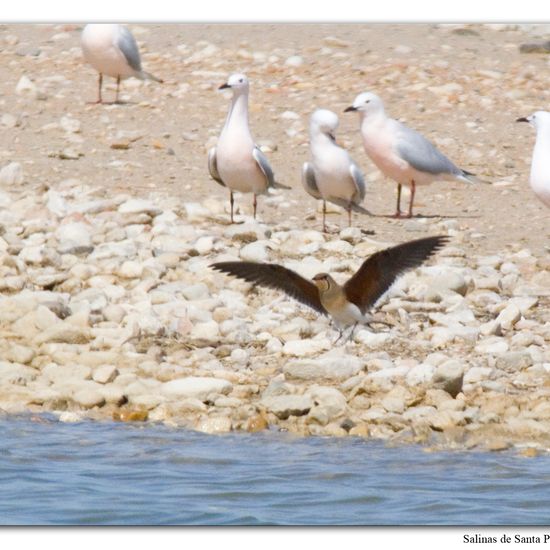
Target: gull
{"x":111,"y":49}
{"x":401,"y":153}
{"x":237,"y":162}
{"x":349,"y":304}
{"x":540,"y":165}
{"x":332,"y":175}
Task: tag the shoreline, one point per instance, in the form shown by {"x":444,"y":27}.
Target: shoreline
{"x":135,"y":325}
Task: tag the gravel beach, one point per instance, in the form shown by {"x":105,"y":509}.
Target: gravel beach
{"x":109,"y":221}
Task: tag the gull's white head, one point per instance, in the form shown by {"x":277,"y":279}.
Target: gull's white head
{"x":539,"y":119}
{"x":237,"y":82}
{"x":366,"y":103}
{"x":324,"y":121}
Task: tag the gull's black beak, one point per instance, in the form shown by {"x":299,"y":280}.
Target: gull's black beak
{"x":224,"y":86}
{"x":522,"y":119}
{"x":350,"y":109}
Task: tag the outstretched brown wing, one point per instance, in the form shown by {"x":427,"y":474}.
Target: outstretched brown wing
{"x":275,"y":276}
{"x":381,"y":269}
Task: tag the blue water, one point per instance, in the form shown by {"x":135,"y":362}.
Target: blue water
{"x":93,"y":473}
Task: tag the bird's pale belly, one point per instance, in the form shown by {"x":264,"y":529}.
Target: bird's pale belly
{"x":542,"y":191}
{"x":108,"y":61}
{"x":394,"y":167}
{"x":345,"y":315}
{"x":238,"y":169}
{"x":332,"y":184}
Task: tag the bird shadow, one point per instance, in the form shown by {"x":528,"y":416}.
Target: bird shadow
{"x":119,"y":102}
{"x":429,"y":216}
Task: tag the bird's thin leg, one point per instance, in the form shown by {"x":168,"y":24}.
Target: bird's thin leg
{"x":351,"y":333}
{"x":398,"y":208}
{"x":100,"y":85}
{"x":340,"y":333}
{"x":413,"y":190}
{"x":324,"y":216}
{"x":231,"y":202}
{"x":117,"y":88}
{"x":255,"y":204}
{"x":349,"y":216}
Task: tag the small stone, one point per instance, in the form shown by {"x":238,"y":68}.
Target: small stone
{"x":509,"y":316}
{"x":449,"y":377}
{"x":256,"y":423}
{"x":294,"y":61}
{"x":126,"y":415}
{"x":12,"y":174}
{"x":214,"y":425}
{"x":89,"y":399}
{"x":26,"y":87}
{"x":70,"y":125}
{"x":105,"y":374}
{"x":194,"y":386}
{"x":283,"y":406}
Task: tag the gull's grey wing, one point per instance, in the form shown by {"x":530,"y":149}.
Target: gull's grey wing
{"x":263,"y":163}
{"x":346,"y":204}
{"x":379,"y":271}
{"x":309,"y":182}
{"x":277,"y":277}
{"x":213,"y":166}
{"x":421,"y":154}
{"x":359,"y":181}
{"x":128,"y":46}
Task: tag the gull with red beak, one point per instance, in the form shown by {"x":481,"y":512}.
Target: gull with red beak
{"x":237,"y":162}
{"x":401,"y":153}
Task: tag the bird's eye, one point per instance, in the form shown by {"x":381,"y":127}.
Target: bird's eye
{"x":240,"y":80}
{"x":368,"y":101}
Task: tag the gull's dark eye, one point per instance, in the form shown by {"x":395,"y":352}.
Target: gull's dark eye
{"x":240,"y":80}
{"x":368,"y":101}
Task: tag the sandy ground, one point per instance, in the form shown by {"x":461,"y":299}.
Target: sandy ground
{"x":462,"y":86}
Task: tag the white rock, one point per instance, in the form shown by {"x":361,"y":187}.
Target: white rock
{"x":11,"y":174}
{"x":70,"y":124}
{"x":194,"y":386}
{"x":509,"y":316}
{"x":254,"y":252}
{"x":371,"y":339}
{"x":105,"y":374}
{"x":307,"y":346}
{"x":139,"y":206}
{"x":492,"y":345}
{"x":329,"y":367}
{"x":74,"y":238}
{"x":208,"y":331}
{"x":26,"y":87}
{"x":294,"y":61}
{"x":449,"y":377}
{"x":214,"y":425}
{"x":284,"y":406}
{"x":420,"y":374}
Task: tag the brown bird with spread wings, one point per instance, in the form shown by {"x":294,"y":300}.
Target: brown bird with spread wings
{"x":348,"y":304}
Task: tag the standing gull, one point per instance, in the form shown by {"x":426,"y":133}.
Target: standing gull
{"x":540,"y":165}
{"x":111,"y":49}
{"x":237,"y":162}
{"x":349,"y":304}
{"x":332,"y":175}
{"x":401,"y":153}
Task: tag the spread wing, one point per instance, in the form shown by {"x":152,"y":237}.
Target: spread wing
{"x":128,"y":46}
{"x":263,"y":163}
{"x":309,"y":182}
{"x":213,"y":166}
{"x":381,"y":269}
{"x":277,"y":277}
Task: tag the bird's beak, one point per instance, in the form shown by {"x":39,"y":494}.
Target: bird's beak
{"x":224,"y":86}
{"x":350,"y":109}
{"x":521,"y":119}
